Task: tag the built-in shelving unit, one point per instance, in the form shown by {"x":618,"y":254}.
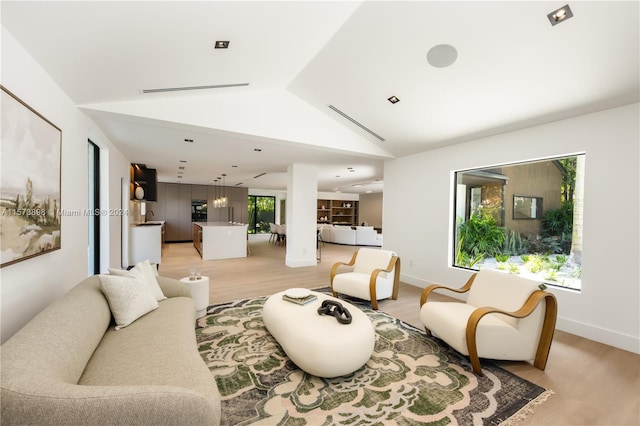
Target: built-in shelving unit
{"x":324,"y":211}
{"x":337,"y":212}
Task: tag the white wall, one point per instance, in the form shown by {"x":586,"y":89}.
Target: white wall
{"x":29,"y":286}
{"x":418,"y":215}
{"x":370,"y":209}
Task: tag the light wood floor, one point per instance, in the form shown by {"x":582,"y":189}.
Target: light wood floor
{"x":594,"y":384}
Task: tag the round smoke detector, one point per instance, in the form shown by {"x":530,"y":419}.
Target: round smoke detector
{"x":442,"y":55}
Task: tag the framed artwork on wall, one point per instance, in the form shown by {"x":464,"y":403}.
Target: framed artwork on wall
{"x":30,"y":185}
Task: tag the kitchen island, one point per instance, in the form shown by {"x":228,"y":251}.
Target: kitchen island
{"x":220,"y":240}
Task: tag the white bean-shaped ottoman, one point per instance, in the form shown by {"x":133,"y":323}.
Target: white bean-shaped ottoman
{"x":319,"y":344}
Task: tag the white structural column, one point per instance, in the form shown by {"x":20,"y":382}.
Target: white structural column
{"x":302,"y":192}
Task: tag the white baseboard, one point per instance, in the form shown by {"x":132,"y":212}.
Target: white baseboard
{"x":297,"y":263}
{"x":598,"y":334}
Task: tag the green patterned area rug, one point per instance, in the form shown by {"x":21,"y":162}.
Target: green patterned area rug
{"x":409,"y":380}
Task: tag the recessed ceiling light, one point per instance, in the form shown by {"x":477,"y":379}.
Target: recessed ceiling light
{"x":560,"y":15}
{"x":442,"y":55}
{"x":393,"y":99}
{"x":222,"y":44}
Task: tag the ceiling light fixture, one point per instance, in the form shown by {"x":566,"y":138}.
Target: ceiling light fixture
{"x":257,"y":149}
{"x":393,"y":99}
{"x":220,"y":44}
{"x":560,"y":15}
{"x":224,"y":201}
{"x":442,"y":55}
{"x":189,"y":140}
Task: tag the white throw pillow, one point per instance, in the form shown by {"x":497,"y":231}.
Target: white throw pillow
{"x":149,"y":277}
{"x":129,"y":297}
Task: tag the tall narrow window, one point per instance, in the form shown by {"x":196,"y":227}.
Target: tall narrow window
{"x":93,"y":207}
{"x":523,"y":218}
{"x":262,"y":212}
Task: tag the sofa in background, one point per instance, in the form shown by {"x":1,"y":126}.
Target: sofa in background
{"x":69,"y":365}
{"x":351,"y":235}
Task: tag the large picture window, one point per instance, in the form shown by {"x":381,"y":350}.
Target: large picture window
{"x":523,"y":218}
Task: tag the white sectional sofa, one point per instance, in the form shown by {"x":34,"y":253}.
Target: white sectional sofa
{"x":348,"y":235}
{"x":367,"y":236}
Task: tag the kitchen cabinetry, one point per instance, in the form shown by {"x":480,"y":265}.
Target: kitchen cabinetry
{"x":158,"y":208}
{"x":185,"y":212}
{"x":177,"y":213}
{"x":171,"y":211}
{"x":174,"y":207}
{"x":197,"y":238}
{"x":144,"y":179}
{"x":239,"y":202}
{"x":338,"y":212}
{"x":199,"y":192}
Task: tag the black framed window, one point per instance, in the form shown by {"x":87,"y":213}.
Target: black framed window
{"x":525,"y":207}
{"x":262,"y":212}
{"x":94,"y":206}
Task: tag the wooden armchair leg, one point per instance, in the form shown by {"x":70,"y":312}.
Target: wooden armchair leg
{"x":472,"y":344}
{"x":374,"y":305}
{"x":546,"y":335}
{"x":475,"y":365}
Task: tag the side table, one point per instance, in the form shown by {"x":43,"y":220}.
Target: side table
{"x":199,"y":292}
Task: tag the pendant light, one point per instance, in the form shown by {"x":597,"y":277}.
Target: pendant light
{"x":224,"y":200}
{"x":216,"y":201}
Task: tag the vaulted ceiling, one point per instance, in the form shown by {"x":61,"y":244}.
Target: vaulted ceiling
{"x":308,"y":81}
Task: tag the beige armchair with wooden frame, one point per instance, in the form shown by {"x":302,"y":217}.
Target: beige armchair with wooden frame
{"x":503,"y":318}
{"x":375,"y":276}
